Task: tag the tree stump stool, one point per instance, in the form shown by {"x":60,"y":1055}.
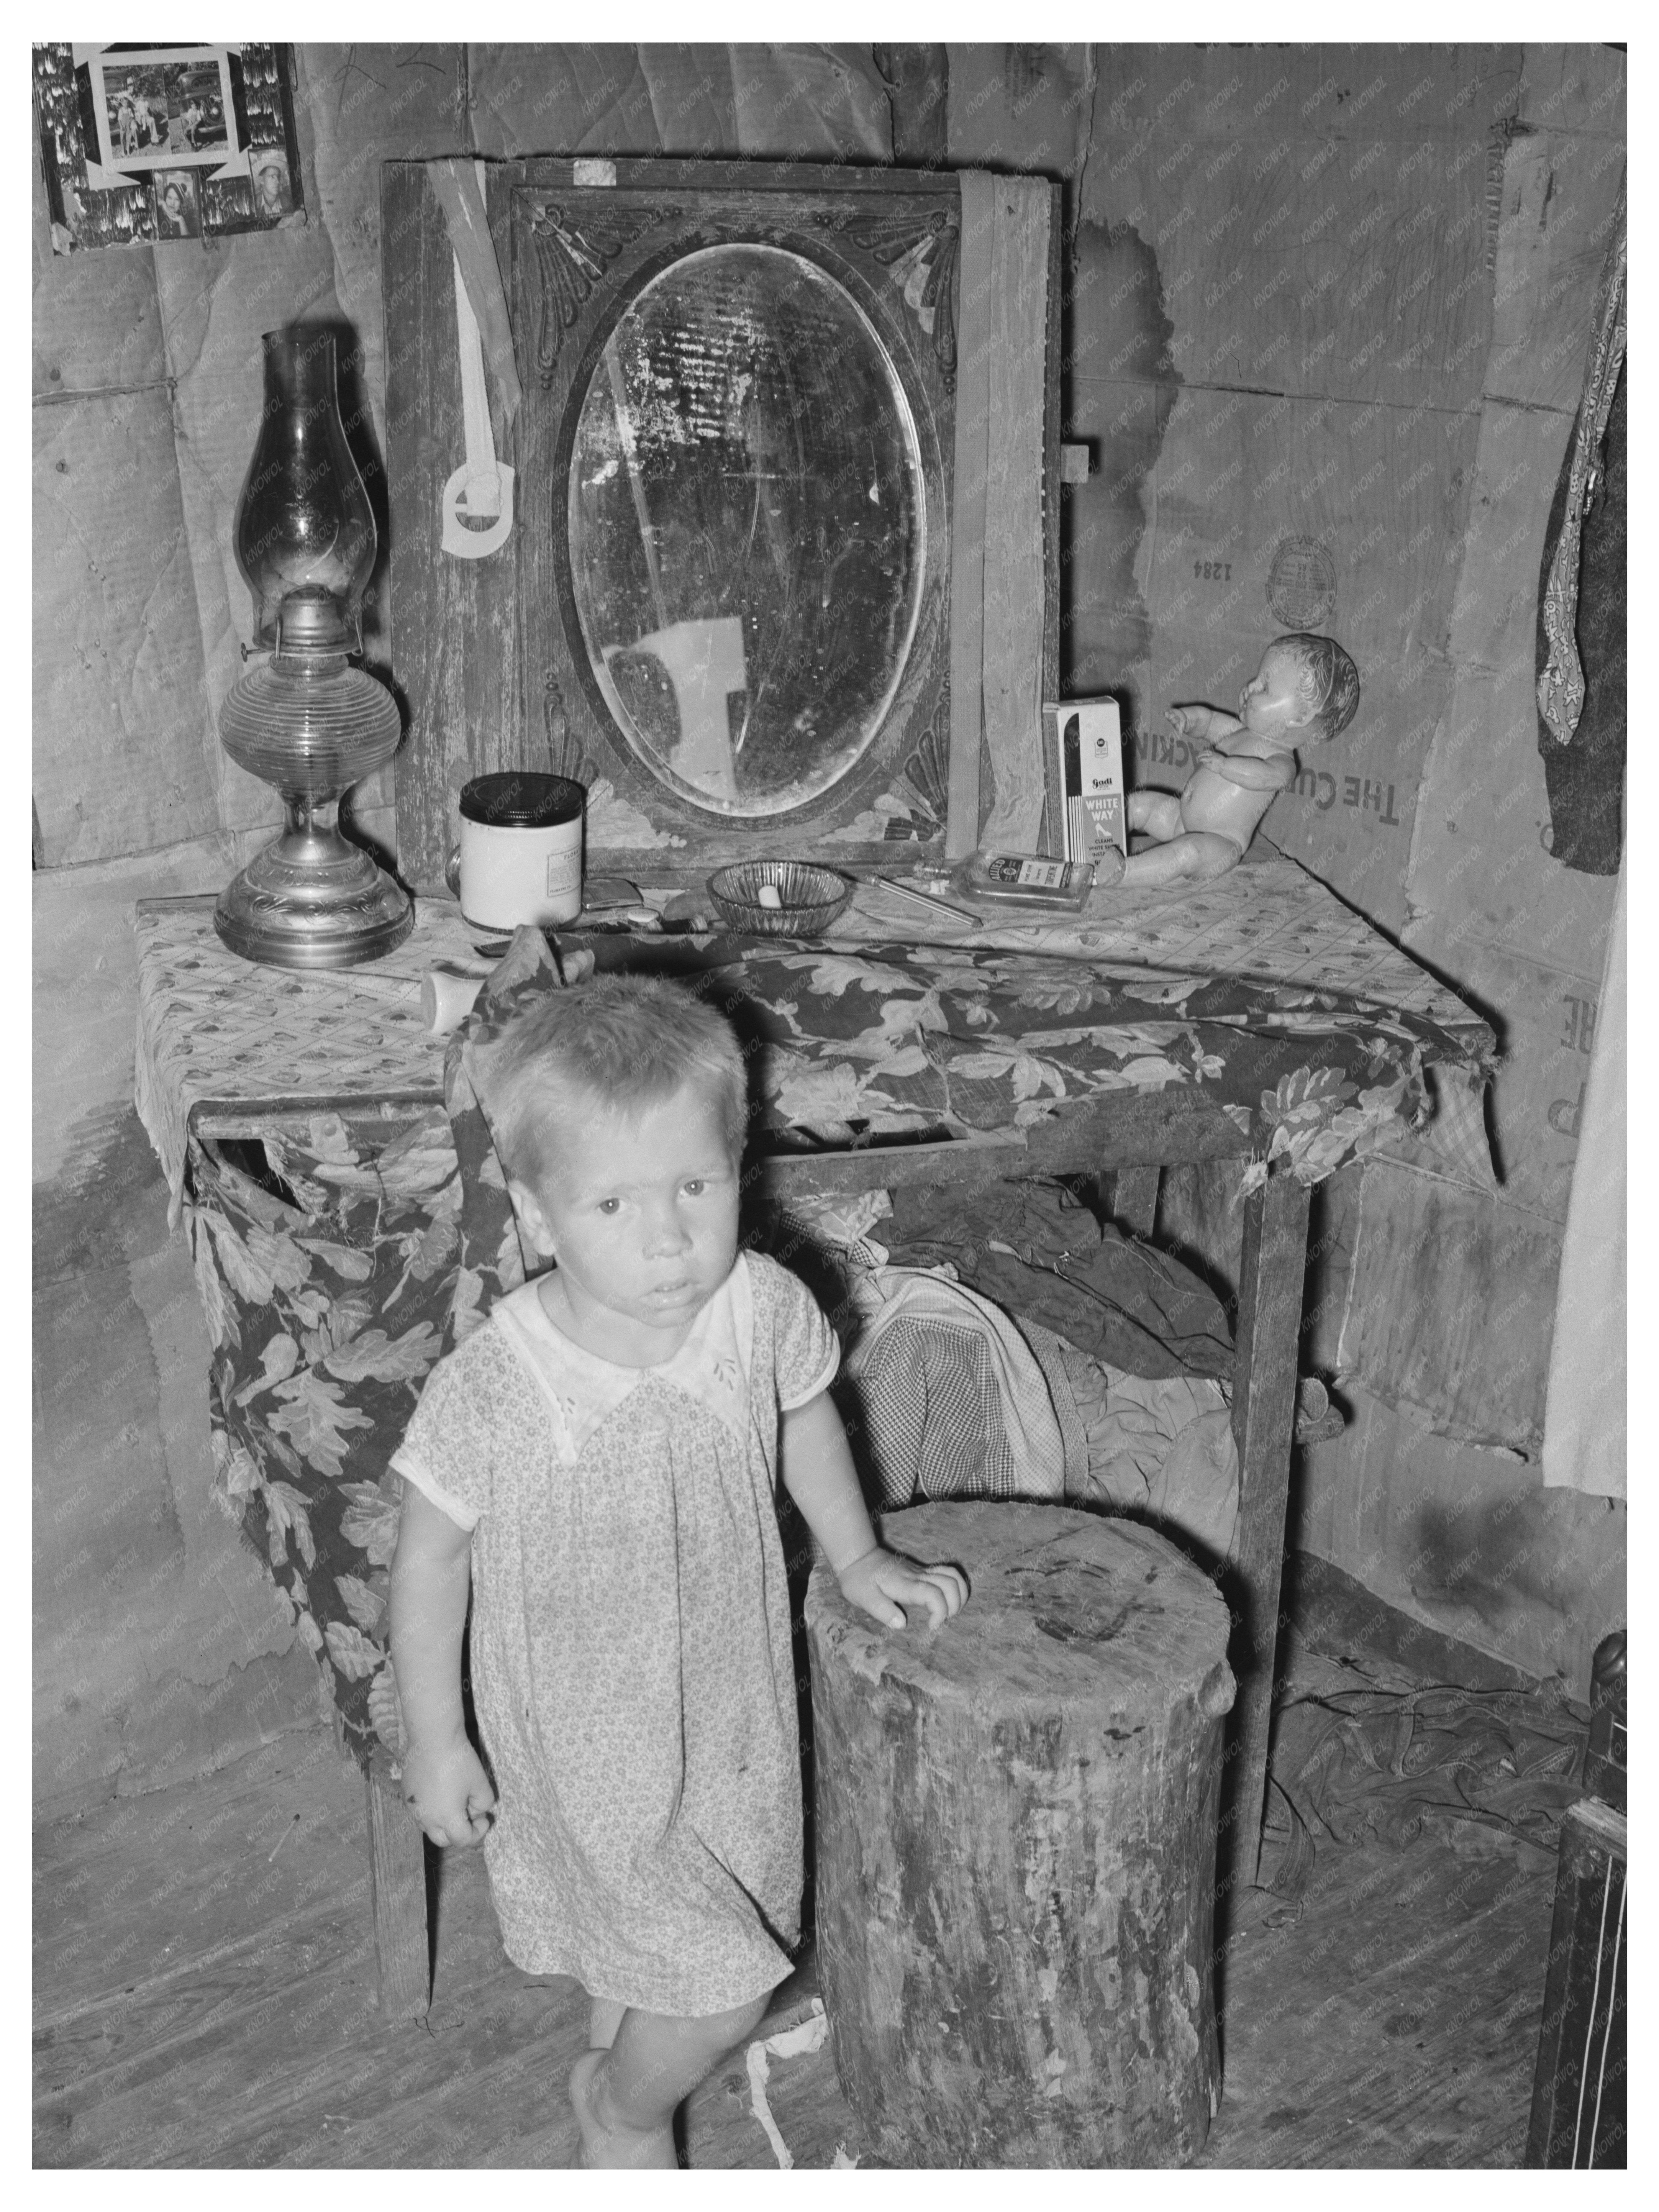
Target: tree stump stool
{"x":1016,"y":1841}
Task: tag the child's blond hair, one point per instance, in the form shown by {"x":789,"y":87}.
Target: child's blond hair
{"x":621,"y":1042}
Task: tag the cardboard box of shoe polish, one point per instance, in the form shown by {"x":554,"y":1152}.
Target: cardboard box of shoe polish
{"x":1083,"y":738}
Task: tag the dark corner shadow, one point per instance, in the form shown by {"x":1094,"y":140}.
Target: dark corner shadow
{"x":435,"y":1859}
{"x":1494,"y":1136}
{"x":1205,"y":1265}
{"x":355,"y":833}
{"x":352,"y":829}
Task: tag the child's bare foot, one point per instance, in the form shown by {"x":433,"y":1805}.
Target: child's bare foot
{"x":603,"y":2143}
{"x":1108,"y":868}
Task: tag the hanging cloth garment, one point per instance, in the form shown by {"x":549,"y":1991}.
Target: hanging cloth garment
{"x":1160,"y":1448}
{"x":1582,"y":612}
{"x":1039,"y":1251}
{"x":942,"y":1395}
{"x":1585,"y":1417}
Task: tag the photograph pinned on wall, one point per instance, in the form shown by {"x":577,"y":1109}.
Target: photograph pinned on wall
{"x":135,"y":110}
{"x":178,"y":203}
{"x":261,"y":200}
{"x":196,"y":106}
{"x":145,"y":142}
{"x":272,"y":196}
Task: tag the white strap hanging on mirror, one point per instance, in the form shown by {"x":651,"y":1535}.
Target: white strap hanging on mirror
{"x":484,"y":482}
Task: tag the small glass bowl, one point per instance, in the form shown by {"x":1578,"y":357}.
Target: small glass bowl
{"x":809,"y":898}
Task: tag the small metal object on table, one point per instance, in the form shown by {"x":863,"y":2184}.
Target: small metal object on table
{"x":350,"y":1221}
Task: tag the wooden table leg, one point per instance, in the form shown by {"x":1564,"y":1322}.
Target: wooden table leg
{"x":1275,"y":1261}
{"x":397,"y":1860}
{"x":1135,"y":1199}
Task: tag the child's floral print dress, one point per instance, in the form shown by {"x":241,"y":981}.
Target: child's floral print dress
{"x":631,"y":1642}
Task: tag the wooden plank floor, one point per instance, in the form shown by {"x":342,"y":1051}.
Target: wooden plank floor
{"x":204,"y":1984}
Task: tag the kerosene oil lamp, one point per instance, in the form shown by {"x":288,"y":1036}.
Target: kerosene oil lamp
{"x":305,"y":720}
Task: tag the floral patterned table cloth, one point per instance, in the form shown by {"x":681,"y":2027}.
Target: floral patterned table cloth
{"x":351,"y":1227}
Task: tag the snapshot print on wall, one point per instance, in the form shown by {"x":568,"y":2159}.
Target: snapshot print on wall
{"x":142,"y":144}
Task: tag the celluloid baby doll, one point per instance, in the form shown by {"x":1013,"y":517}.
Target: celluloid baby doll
{"x":1306,"y":688}
{"x":598,"y":1458}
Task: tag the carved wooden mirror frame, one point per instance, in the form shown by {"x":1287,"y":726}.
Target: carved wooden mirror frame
{"x":490,"y":654}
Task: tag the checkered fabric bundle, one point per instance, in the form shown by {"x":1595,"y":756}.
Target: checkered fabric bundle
{"x":950,"y":1400}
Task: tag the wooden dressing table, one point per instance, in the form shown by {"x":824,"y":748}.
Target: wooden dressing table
{"x":300,"y":1120}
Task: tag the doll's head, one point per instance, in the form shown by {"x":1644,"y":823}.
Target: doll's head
{"x":1306,"y":684}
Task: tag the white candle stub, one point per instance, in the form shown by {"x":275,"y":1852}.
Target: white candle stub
{"x":768,"y":896}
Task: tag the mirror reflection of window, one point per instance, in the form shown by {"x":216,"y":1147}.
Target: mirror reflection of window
{"x":746,"y":519}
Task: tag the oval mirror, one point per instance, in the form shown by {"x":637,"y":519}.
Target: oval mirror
{"x":747,"y":518}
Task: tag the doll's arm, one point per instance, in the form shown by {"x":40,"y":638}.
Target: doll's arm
{"x":1249,"y":773}
{"x":819,"y":1475}
{"x":1203,"y":723}
{"x":444,"y":1779}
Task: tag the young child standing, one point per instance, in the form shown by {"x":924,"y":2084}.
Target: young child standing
{"x":599,"y":1460}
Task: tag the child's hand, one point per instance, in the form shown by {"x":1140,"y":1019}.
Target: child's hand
{"x":1187,"y":721}
{"x":886,"y":1586}
{"x":447,"y":1790}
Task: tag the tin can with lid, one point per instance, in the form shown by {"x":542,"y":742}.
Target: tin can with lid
{"x":519,"y":858}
